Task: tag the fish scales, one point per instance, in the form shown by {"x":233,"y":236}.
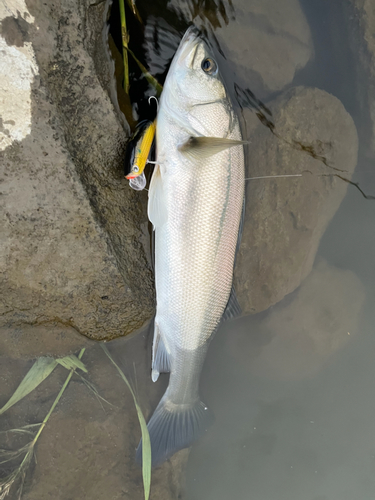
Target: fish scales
{"x":195,"y":205}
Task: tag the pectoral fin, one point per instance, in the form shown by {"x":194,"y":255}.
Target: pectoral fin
{"x":204,"y":147}
{"x":157,"y":210}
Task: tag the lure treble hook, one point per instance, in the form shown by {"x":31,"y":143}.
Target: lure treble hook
{"x":157,"y":102}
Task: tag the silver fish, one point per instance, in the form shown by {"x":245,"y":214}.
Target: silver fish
{"x":195,"y":204}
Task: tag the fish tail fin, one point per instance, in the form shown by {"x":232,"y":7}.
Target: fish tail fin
{"x":173,"y":427}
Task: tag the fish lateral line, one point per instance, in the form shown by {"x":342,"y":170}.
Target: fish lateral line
{"x":272,"y":177}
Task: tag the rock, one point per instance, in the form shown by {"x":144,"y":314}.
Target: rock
{"x":360,"y":20}
{"x":74,"y":252}
{"x":31,"y":341}
{"x":306,"y":330}
{"x":286,"y":217}
{"x":265,"y":45}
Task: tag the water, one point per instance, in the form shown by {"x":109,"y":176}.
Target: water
{"x":291,"y":387}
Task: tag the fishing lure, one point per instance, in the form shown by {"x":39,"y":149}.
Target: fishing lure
{"x":139,"y":151}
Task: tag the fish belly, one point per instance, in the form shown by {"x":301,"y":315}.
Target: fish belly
{"x":195,"y":247}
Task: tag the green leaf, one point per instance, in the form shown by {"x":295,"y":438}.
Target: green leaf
{"x":37,"y":373}
{"x":146,"y":444}
{"x":71,"y":362}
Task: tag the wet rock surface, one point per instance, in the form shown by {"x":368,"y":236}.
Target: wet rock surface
{"x":31,"y":341}
{"x":75,"y":242}
{"x":286,"y":217}
{"x":359,"y":17}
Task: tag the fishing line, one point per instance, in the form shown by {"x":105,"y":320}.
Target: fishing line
{"x":272,"y":176}
{"x":247,"y":99}
{"x":355,"y":184}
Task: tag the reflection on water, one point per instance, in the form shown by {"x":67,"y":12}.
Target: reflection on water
{"x":291,"y":386}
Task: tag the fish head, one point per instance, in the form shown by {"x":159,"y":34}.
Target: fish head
{"x":194,"y":74}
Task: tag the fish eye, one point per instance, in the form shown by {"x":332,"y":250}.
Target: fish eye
{"x":135,"y":168}
{"x":209,"y":66}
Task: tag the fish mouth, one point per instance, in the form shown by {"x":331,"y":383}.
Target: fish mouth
{"x":188,"y":47}
{"x":191,"y":34}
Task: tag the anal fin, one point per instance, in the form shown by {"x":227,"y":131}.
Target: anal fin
{"x":233,"y":309}
{"x":160,"y":357}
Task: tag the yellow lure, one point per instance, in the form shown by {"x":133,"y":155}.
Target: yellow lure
{"x":142,"y":151}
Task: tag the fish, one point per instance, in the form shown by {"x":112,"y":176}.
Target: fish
{"x":196,"y":205}
{"x":138,"y":153}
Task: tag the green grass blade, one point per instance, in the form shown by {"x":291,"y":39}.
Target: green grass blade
{"x":125,"y":41}
{"x":37,"y":373}
{"x":146,"y":444}
{"x":152,"y":80}
{"x":71,"y":362}
{"x":58,"y":397}
{"x":41,"y":367}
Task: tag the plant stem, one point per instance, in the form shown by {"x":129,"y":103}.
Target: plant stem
{"x":146,"y":445}
{"x":146,"y":74}
{"x":133,"y":7}
{"x":125,"y":40}
{"x":56,"y":401}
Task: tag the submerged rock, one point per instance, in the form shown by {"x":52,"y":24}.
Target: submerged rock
{"x":286,"y":217}
{"x":320,"y":319}
{"x":264,"y":43}
{"x":75,"y":247}
{"x":267,"y":44}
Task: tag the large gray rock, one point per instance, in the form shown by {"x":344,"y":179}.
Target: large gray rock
{"x":286,"y":217}
{"x":74,"y":251}
{"x":360,"y":25}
